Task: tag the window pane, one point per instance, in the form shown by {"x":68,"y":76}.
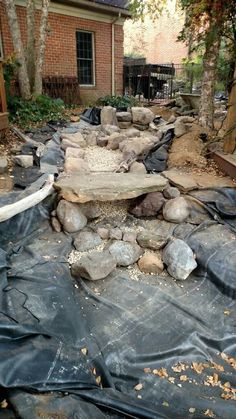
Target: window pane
{"x":85,"y":69}
{"x":84,"y":49}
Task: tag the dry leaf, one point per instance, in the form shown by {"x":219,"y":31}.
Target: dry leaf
{"x":138,"y":387}
{"x":139,"y":396}
{"x":84,"y":351}
{"x":213,"y":380}
{"x":227,"y":384}
{"x":147,"y":370}
{"x":94,"y":371}
{"x":198,"y":367}
{"x":165,"y":404}
{"x":191,"y":409}
{"x":4,"y":404}
{"x":183,"y":378}
{"x":161,"y":372}
{"x":217,"y":367}
{"x":209,"y":413}
{"x":229,"y":360}
{"x":226,"y":312}
{"x":98,"y":380}
{"x":179,"y":367}
{"x":171,"y":380}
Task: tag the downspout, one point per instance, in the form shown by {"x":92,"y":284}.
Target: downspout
{"x":113,"y":54}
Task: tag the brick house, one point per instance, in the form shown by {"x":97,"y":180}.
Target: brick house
{"x":85,"y":42}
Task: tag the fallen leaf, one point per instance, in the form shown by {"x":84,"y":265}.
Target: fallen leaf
{"x":165,"y":404}
{"x":84,"y":351}
{"x":198,"y":367}
{"x":94,"y":371}
{"x":213,"y":380}
{"x":138,"y":387}
{"x":98,"y":380}
{"x":139,"y":396}
{"x":231,"y":361}
{"x":4,"y":404}
{"x":183,"y":378}
{"x":147,"y":370}
{"x":161,"y":372}
{"x":226,"y":312}
{"x":171,"y":380}
{"x":217,"y":367}
{"x":191,"y":409}
{"x":227,"y":384}
{"x":179,"y":367}
{"x":209,"y":413}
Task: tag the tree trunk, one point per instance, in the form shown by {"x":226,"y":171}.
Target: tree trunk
{"x":41,"y":48}
{"x":30,"y":51}
{"x":206,"y":112}
{"x":230,"y":137}
{"x":18,"y":48}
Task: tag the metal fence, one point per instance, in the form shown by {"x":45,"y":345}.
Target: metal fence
{"x":161,"y":81}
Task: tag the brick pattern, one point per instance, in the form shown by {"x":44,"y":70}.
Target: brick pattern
{"x":60,"y":54}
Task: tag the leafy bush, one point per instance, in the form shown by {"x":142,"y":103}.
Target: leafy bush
{"x":38,"y":110}
{"x":118,"y":101}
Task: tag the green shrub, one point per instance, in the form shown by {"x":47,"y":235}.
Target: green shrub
{"x":118,"y":101}
{"x":26,"y":113}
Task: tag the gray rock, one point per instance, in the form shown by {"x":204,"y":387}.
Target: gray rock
{"x":76,"y":165}
{"x":142,"y":116}
{"x":86,"y":240}
{"x":108,"y":116}
{"x":56,"y":224}
{"x":116,"y":234}
{"x":71,"y":216}
{"x":150,"y":205}
{"x":150,"y":240}
{"x":135,"y":146}
{"x":171,"y":192}
{"x":180,"y":129}
{"x":151,"y":263}
{"x":103,"y":233}
{"x":24,"y":160}
{"x":114,"y":140}
{"x":74,"y":152}
{"x":124,"y":125}
{"x":94,"y":266}
{"x":131,"y":132}
{"x":125,"y":253}
{"x":3,"y":165}
{"x":76,"y":138}
{"x":72,"y":144}
{"x":107,"y":187}
{"x":102,"y":141}
{"x":179,"y":258}
{"x":92,"y":138}
{"x":110,"y":129}
{"x":129,"y":236}
{"x":91,"y":210}
{"x":124,"y":116}
{"x":176,"y":210}
{"x":137,"y":167}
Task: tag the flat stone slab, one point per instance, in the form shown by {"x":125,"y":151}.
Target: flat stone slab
{"x":108,"y":187}
{"x":188,"y":182}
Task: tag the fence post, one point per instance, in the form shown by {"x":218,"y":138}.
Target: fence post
{"x":191,"y":78}
{"x":171,"y":80}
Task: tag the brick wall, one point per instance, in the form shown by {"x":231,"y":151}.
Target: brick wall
{"x":60,"y":54}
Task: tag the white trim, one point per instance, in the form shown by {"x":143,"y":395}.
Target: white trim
{"x":76,"y":12}
{"x":94,"y":63}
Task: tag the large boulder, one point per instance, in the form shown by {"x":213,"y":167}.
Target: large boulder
{"x":151,"y":263}
{"x":179,"y":258}
{"x":94,"y":266}
{"x":125,"y":253}
{"x":142,"y":116}
{"x":135,"y":146}
{"x":24,"y":160}
{"x":114,"y":140}
{"x":176,"y":210}
{"x":70,"y":216}
{"x":124,"y":116}
{"x":74,"y":152}
{"x":76,"y":165}
{"x":108,"y":116}
{"x":150,"y":240}
{"x":131,"y":132}
{"x":110,"y":129}
{"x":137,"y":167}
{"x":86,"y":240}
{"x":149,"y":206}
{"x":76,"y":138}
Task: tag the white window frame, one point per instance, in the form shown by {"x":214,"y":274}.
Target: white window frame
{"x":93,"y":54}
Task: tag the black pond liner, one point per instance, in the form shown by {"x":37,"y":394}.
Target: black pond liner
{"x":48,"y":317}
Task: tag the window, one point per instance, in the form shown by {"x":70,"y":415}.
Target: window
{"x":85,"y":57}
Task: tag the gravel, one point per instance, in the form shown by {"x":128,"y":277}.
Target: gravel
{"x":100,"y":159}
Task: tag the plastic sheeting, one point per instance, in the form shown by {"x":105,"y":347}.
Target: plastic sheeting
{"x":48,"y":319}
